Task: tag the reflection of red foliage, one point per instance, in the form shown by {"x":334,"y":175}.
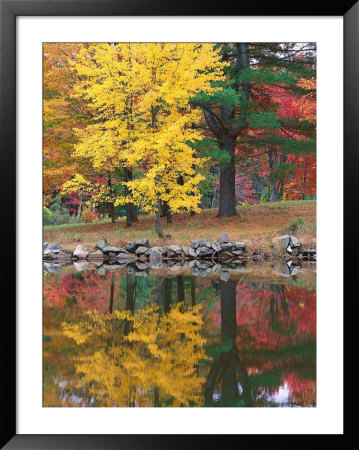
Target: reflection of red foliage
{"x":91,"y":292}
{"x":302,"y":391}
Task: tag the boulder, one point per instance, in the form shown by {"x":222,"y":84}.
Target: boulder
{"x":101,"y":244}
{"x":126,"y":257}
{"x":294,"y":242}
{"x":238,"y":252}
{"x":102,"y":270}
{"x":52,"y":248}
{"x":195,"y":244}
{"x":44,"y":245}
{"x":81,"y":265}
{"x":281,"y":243}
{"x":185,"y":249}
{"x":228,"y":247}
{"x":63,"y":257}
{"x":223,"y":238}
{"x":192,"y":253}
{"x":97,"y":255}
{"x":240,"y":246}
{"x":215,"y":246}
{"x":204,"y":243}
{"x":52,"y":267}
{"x":130,"y":247}
{"x":141,"y":250}
{"x":224,"y":275}
{"x":226,"y":256}
{"x":159,"y":249}
{"x":141,"y":265}
{"x":111,"y":249}
{"x":142,"y":243}
{"x":174,"y":249}
{"x":155,"y":256}
{"x":80,"y":252}
{"x":204,"y":251}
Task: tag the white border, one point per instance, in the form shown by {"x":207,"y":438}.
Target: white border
{"x":327,"y":416}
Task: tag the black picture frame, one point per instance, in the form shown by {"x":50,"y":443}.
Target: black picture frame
{"x":9,"y":10}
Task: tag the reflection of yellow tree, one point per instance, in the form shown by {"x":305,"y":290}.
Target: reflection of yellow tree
{"x":154,"y":364}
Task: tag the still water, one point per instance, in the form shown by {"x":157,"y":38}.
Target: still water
{"x":166,"y":337}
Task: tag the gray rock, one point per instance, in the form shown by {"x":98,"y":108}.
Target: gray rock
{"x":281,"y":243}
{"x":215,"y":246}
{"x":141,"y":265}
{"x":111,"y":249}
{"x":101,"y":244}
{"x":126,"y":257}
{"x":44,"y":245}
{"x":226,"y":255}
{"x":96,"y":262}
{"x":228,"y":247}
{"x":52,"y":248}
{"x":192,"y":253}
{"x":112,"y":266}
{"x":156,"y":248}
{"x":141,"y":250}
{"x":238,"y":252}
{"x":155,"y":256}
{"x":96,"y":255}
{"x":80,"y":252}
{"x":204,"y":251}
{"x":204,"y":243}
{"x":155,"y":265}
{"x":223,"y":238}
{"x":81,"y":265}
{"x":130,"y":247}
{"x":52,"y":267}
{"x":185,"y":249}
{"x":203,"y":264}
{"x":195,"y":244}
{"x":240,"y":246}
{"x":142,"y":243}
{"x":224,"y":275}
{"x":174,"y":249}
{"x":63,"y":256}
{"x":294,"y":242}
{"x":101,"y":270}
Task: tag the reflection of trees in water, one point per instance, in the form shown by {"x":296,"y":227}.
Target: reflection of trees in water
{"x":152,"y":357}
{"x":141,"y":358}
{"x":228,"y":369}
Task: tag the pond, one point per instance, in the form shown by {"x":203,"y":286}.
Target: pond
{"x":177,"y":337}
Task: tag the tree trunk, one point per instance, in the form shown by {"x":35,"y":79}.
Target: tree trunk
{"x":131,"y":281}
{"x":112,"y":213}
{"x":193,"y":290}
{"x":111,"y":207}
{"x":131,"y":213}
{"x":227,"y":188}
{"x":167,"y":298}
{"x":111,"y":293}
{"x":159,"y":230}
{"x":180,"y":288}
{"x":165,"y":211}
{"x":79,"y":210}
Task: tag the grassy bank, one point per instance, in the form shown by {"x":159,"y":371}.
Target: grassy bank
{"x":255,"y":225}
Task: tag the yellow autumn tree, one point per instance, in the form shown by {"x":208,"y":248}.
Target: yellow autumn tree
{"x":144,"y":121}
{"x":154,"y":363}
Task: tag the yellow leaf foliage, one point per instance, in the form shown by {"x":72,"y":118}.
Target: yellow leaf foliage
{"x":141,"y":94}
{"x":158,"y":358}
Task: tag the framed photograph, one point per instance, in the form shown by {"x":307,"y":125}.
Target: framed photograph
{"x":181,"y":167}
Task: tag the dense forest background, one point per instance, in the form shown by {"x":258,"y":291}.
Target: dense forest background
{"x":164,"y":128}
